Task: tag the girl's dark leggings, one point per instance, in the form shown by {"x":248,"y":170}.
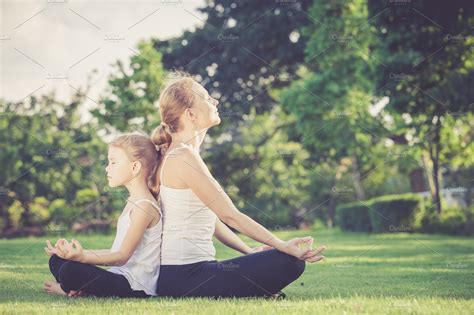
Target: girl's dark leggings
{"x":259,"y":274}
{"x":91,"y":279}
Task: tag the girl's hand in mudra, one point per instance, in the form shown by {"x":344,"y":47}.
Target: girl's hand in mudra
{"x":49,"y":249}
{"x":70,"y":251}
{"x":301,"y":248}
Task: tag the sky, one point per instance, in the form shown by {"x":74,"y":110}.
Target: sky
{"x":56,"y":44}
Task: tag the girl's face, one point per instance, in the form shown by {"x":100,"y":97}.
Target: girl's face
{"x":120,"y":169}
{"x":204,"y":110}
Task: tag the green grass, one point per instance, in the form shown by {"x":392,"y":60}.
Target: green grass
{"x":376,"y":274}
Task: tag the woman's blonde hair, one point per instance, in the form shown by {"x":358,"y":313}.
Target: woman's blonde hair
{"x":175,"y":97}
{"x":141,"y":148}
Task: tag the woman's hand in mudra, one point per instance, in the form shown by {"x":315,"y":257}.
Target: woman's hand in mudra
{"x":301,"y":248}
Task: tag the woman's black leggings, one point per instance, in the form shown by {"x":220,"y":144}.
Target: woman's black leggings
{"x":91,"y":279}
{"x":259,"y":274}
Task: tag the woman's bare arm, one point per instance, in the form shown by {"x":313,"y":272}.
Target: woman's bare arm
{"x":194,"y":173}
{"x":227,"y":237}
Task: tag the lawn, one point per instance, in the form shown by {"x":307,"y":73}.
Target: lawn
{"x":394,"y":273}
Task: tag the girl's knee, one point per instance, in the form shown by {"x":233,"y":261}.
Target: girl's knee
{"x":54,"y":262}
{"x":67,"y":273}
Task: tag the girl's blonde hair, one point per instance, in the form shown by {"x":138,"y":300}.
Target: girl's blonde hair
{"x":141,"y":148}
{"x":175,"y":97}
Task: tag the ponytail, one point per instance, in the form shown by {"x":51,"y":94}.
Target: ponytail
{"x":161,"y":137}
{"x":175,"y":97}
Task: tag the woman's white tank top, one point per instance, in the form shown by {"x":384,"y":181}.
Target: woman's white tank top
{"x":143,"y":268}
{"x":188,"y":226}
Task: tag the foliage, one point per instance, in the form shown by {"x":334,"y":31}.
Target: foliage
{"x":426,"y":59}
{"x":353,"y":217}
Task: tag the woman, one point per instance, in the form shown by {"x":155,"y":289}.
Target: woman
{"x":195,"y":208}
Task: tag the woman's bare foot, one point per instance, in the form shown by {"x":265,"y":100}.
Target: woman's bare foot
{"x":52,"y":287}
{"x":73,"y":293}
{"x":277,"y":296}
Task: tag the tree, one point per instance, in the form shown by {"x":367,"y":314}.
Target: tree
{"x":426,"y":66}
{"x":130,"y":101}
{"x":333,"y":99}
{"x":243,"y":49}
{"x":47,"y":154}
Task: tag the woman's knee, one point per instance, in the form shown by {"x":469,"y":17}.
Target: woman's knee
{"x":298,"y":266}
{"x":293,"y":265}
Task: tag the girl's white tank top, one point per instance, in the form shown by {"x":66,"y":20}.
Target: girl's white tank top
{"x":143,"y":268}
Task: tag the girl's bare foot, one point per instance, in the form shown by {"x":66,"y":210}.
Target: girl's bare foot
{"x":52,"y":287}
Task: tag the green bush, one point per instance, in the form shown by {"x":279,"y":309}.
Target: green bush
{"x":453,"y":221}
{"x":394,"y":213}
{"x":15,"y":212}
{"x":61,"y":211}
{"x":39,"y":212}
{"x":353,"y":217}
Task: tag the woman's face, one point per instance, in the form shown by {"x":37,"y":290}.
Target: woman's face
{"x":204,"y":110}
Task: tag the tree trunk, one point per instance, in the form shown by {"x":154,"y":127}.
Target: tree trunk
{"x":331,"y":211}
{"x":357,"y":179}
{"x":434,"y":146}
{"x":425,"y":160}
{"x":330,"y":221}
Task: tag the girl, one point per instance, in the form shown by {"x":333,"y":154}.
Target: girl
{"x":135,"y":253}
{"x":195,"y":208}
